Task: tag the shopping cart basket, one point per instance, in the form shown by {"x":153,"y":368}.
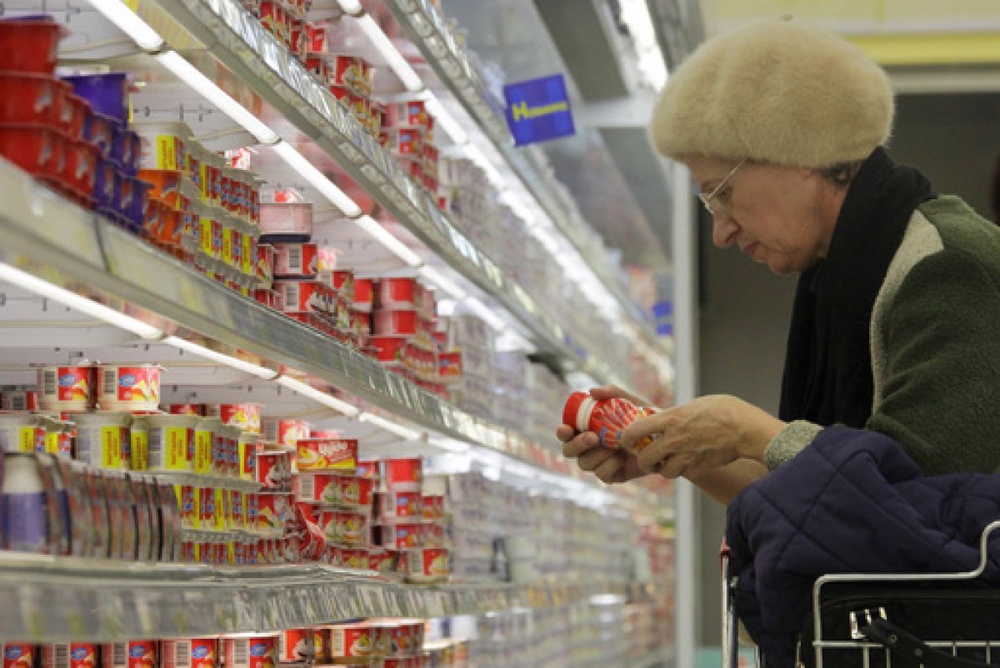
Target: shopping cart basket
{"x":896,"y":620}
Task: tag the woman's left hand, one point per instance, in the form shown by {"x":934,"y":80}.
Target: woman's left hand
{"x":703,"y":434}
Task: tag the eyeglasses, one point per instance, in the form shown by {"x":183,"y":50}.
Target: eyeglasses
{"x":711,"y":200}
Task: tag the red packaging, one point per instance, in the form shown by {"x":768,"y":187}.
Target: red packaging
{"x":186,"y":409}
{"x":296,"y":646}
{"x":18,"y":655}
{"x":388,"y":348}
{"x":352,"y":643}
{"x":190,"y":653}
{"x":407,"y":114}
{"x":400,"y":536}
{"x":131,"y":654}
{"x":354,"y":557}
{"x":295,"y":260}
{"x":392,"y":507}
{"x":403,"y":475}
{"x":433,"y":507}
{"x":320,"y":454}
{"x":246,"y":416}
{"x":273,"y":511}
{"x":274,"y":469}
{"x":83,"y":655}
{"x":37,"y":149}
{"x":394,"y":323}
{"x":357,"y":106}
{"x":606,"y":417}
{"x":363,"y":295}
{"x":396,"y":293}
{"x":66,"y":388}
{"x":128,"y":388}
{"x":30,"y":45}
{"x":259,"y":651}
{"x":305,"y":295}
{"x":382,"y":560}
{"x":343,"y":526}
{"x":404,"y":141}
{"x":427,"y":564}
{"x":351,"y":72}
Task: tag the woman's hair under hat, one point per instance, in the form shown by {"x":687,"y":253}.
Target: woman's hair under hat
{"x":780,"y":92}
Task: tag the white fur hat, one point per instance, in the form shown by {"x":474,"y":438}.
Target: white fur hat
{"x":779,"y":92}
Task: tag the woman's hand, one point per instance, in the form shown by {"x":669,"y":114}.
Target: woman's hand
{"x":706,"y":433}
{"x":611,"y":465}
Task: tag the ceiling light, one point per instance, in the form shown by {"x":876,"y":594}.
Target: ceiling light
{"x":221,"y":358}
{"x":388,"y":425}
{"x":397,"y":63}
{"x":207,"y":88}
{"x":129,"y":22}
{"x":78,"y":302}
{"x":446,"y":121}
{"x":318,"y":396}
{"x":385,"y":237}
{"x":439,"y":280}
{"x":317,"y":179}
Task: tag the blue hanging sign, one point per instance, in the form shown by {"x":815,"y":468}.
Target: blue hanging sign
{"x":538,"y":110}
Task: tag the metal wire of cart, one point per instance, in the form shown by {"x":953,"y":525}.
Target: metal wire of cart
{"x":859,"y":651}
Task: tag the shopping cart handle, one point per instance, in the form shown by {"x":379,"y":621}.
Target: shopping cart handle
{"x":906,"y":645}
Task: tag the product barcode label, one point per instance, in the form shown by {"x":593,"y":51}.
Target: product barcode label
{"x":60,"y":655}
{"x":295,"y":258}
{"x":291,"y":295}
{"x":119,"y":655}
{"x":154,"y":451}
{"x":307,"y":487}
{"x":19,"y":402}
{"x":177,"y":654}
{"x":110,"y":382}
{"x":49,"y":387}
{"x":241,"y":653}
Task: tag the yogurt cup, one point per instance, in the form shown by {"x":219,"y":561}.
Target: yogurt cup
{"x":171,"y":443}
{"x":66,"y":388}
{"x":18,"y":432}
{"x":128,"y":388}
{"x":104,"y":440}
{"x":189,"y":653}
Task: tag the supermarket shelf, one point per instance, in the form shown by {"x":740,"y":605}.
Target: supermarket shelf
{"x":53,"y":238}
{"x":239,"y":42}
{"x":62,"y":599}
{"x":425,"y":25}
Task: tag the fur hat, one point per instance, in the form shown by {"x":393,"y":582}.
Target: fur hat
{"x":779,"y":92}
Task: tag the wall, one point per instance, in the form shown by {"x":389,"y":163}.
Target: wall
{"x":954,"y":140}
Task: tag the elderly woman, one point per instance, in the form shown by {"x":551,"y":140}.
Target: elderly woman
{"x":895,"y":320}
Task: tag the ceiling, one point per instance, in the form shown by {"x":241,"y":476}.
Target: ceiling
{"x":619,"y":182}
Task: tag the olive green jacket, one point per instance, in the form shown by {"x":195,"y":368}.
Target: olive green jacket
{"x":935,"y":346}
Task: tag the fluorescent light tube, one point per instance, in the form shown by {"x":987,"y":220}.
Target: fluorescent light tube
{"x":445,"y":120}
{"x":441,"y":281}
{"x":388,"y":425}
{"x":384,"y":237}
{"x":77,"y":302}
{"x":129,"y":22}
{"x":207,"y":88}
{"x":221,"y":358}
{"x":318,"y":396}
{"x":352,"y":7}
{"x":317,"y":179}
{"x":397,"y":63}
{"x":491,"y":318}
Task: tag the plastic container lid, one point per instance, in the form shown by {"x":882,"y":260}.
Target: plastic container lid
{"x":577,"y":411}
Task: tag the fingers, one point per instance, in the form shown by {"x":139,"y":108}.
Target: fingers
{"x":579,"y":444}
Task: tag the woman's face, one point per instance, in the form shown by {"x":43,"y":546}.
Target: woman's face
{"x":780,"y":216}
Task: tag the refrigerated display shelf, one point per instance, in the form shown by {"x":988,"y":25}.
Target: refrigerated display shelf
{"x":238,"y":41}
{"x":63,"y":599}
{"x":427,"y":28}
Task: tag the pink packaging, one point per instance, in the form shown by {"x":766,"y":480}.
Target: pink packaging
{"x":394,"y":323}
{"x":305,"y":296}
{"x":286,"y":221}
{"x":295,"y":260}
{"x":408,"y":114}
{"x":396,"y":293}
{"x":392,"y":507}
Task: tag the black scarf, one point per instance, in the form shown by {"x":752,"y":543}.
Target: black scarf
{"x":828,"y":373}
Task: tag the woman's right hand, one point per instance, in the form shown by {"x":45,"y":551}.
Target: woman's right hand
{"x":610,"y":465}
